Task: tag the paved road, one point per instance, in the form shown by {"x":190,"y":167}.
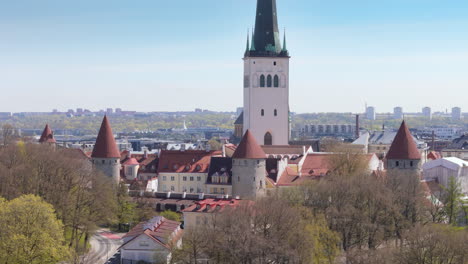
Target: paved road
{"x":104,"y":245}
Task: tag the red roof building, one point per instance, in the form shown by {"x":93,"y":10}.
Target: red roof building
{"x":188,"y":161}
{"x":105,"y":146}
{"x":403,"y":146}
{"x":47,"y":135}
{"x":156,"y":236}
{"x":248,"y":148}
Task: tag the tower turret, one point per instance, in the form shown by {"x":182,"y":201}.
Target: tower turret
{"x":403,"y":153}
{"x":106,"y":155}
{"x":47,"y":136}
{"x":248,"y":169}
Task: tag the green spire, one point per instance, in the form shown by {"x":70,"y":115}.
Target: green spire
{"x":252,"y":47}
{"x":284,"y":41}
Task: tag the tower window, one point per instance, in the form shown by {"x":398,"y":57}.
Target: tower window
{"x":274,"y":63}
{"x":269,"y":81}
{"x":262,"y":80}
{"x":262,"y":112}
{"x":268,"y":139}
{"x":276,"y":81}
{"x":411,"y":163}
{"x":275,"y":112}
{"x":397,"y":163}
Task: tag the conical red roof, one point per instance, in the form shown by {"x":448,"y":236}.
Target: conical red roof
{"x":403,"y":146}
{"x":105,"y":146}
{"x":47,"y":135}
{"x":248,"y":148}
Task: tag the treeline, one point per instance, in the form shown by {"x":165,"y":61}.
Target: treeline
{"x":350,"y":216}
{"x":82,"y":198}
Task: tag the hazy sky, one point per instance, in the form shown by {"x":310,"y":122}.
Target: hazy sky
{"x":154,"y":55}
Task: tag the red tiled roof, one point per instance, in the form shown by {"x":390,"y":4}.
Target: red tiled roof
{"x":47,"y":135}
{"x":403,"y":146}
{"x":189,"y":161}
{"x":105,"y":146}
{"x":248,"y":148}
{"x":212,"y":205}
{"x":433,"y":155}
{"x":131,"y":161}
{"x":159,"y":229}
{"x":316,"y":164}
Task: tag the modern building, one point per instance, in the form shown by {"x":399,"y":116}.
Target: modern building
{"x":398,"y":112}
{"x":441,"y":170}
{"x":427,"y":112}
{"x":458,"y":148}
{"x":403,"y":153}
{"x":106,"y":155}
{"x":370,"y":113}
{"x":456,"y":114}
{"x":266,"y":80}
{"x":335,"y":130}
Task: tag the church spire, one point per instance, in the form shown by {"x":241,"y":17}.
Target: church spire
{"x":266,"y":33}
{"x":252,"y":47}
{"x":284,"y":41}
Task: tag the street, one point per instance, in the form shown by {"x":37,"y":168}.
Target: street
{"x":104,"y":245}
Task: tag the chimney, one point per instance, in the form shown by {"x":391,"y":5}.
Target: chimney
{"x":182,"y":147}
{"x":433,"y":140}
{"x":357,"y":126}
{"x":383,"y":127}
{"x":145,"y":153}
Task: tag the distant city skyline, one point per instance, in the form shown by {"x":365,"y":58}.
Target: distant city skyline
{"x":168,"y":56}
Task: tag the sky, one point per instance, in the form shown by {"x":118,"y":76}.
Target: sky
{"x":178,"y":55}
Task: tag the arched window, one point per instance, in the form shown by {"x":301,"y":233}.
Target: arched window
{"x":275,"y":112}
{"x":268,"y":139}
{"x":262,"y":112}
{"x":269,"y":81}
{"x":276,"y":81}
{"x":262,"y":80}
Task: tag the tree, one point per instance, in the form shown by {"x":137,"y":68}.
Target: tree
{"x":434,"y":244}
{"x":170,"y":215}
{"x":452,"y":200}
{"x":126,"y":208}
{"x":31,"y":232}
{"x":215,"y":144}
{"x":7,"y":133}
{"x":267,"y":231}
{"x":83,"y":198}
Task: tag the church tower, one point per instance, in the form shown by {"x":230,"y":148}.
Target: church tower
{"x":266,"y":80}
{"x":106,"y":155}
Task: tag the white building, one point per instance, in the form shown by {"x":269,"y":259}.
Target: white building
{"x":266,"y":80}
{"x":441,"y":170}
{"x":456,"y":114}
{"x":427,"y":112}
{"x":151,"y":241}
{"x":370,"y":113}
{"x":398,"y":112}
